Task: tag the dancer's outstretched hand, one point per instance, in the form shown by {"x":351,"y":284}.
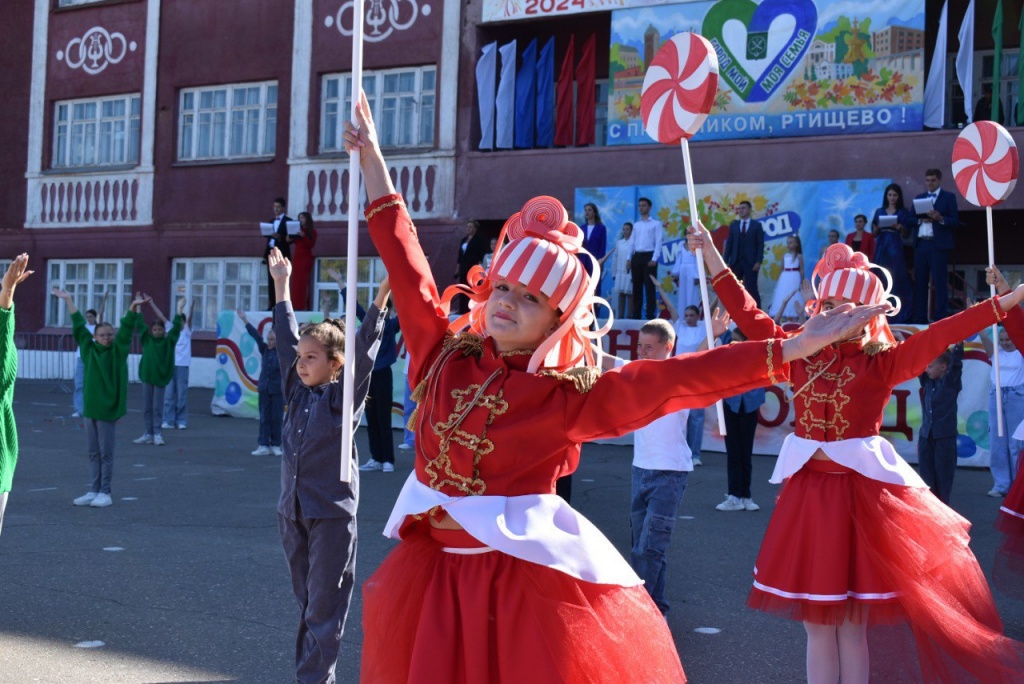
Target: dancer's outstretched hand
{"x":841,"y":323}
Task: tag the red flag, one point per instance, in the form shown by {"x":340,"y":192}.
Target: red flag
{"x":586,"y":72}
{"x":563,"y":100}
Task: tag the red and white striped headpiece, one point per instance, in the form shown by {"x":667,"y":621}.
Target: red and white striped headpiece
{"x":539,"y":247}
{"x":843,"y":273}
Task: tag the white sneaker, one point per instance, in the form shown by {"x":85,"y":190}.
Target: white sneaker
{"x":76,"y":414}
{"x":995,"y":493}
{"x":85,"y":499}
{"x":749,"y":505}
{"x":277,"y":451}
{"x":144,"y":439}
{"x":406,"y":447}
{"x":388,"y":467}
{"x":101,"y":501}
{"x":166,"y":426}
{"x":731,"y":503}
{"x":182,"y":426}
{"x":262,"y":450}
{"x":159,"y":440}
{"x":697,"y":461}
{"x":372,"y":465}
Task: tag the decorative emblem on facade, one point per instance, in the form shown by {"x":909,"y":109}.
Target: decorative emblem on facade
{"x":382,"y":17}
{"x":95,"y":50}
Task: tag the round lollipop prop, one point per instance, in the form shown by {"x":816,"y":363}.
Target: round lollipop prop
{"x":985,"y":168}
{"x":679,"y":91}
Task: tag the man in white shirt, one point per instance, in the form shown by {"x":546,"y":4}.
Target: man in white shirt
{"x":648,"y":234}
{"x":933,"y":243}
{"x":661,"y":464}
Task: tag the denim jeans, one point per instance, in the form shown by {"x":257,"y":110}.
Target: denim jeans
{"x":101,"y":434}
{"x":409,"y":437}
{"x":152,"y":404}
{"x":271,"y":417}
{"x":653,"y":507}
{"x":176,"y":398}
{"x":695,"y":431}
{"x":1003,"y":450}
{"x":79,"y":397}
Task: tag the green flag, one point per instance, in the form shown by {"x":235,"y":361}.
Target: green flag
{"x":997,"y":60}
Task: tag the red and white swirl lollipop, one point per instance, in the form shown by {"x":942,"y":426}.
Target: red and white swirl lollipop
{"x":679,"y":89}
{"x":985,"y":163}
{"x":985,"y":168}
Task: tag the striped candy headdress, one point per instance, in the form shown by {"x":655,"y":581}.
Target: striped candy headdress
{"x":849,"y":275}
{"x":539,"y":247}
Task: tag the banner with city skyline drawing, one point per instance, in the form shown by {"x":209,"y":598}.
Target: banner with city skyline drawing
{"x":787,"y":67}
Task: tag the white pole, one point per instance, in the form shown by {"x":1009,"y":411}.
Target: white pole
{"x":691,"y":195}
{"x":995,"y":328}
{"x":352,"y":255}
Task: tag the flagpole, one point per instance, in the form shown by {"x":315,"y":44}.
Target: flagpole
{"x":691,"y":194}
{"x":352,"y":254}
{"x":995,"y":328}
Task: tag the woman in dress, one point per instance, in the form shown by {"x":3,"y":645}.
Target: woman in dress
{"x":496,"y":578}
{"x":302,"y":261}
{"x":785,"y":304}
{"x":622,"y":277}
{"x":889,"y":247}
{"x":857,"y":539}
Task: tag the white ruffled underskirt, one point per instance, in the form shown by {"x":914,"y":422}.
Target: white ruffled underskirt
{"x":874,"y":457}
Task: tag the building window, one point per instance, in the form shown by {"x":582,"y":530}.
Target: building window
{"x":87,"y":280}
{"x":228,"y":122}
{"x":402,"y":102}
{"x":96,"y":132}
{"x":72,"y":3}
{"x":369,"y":272}
{"x":217,"y":285}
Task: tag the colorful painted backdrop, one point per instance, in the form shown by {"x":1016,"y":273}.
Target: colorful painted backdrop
{"x":787,"y":67}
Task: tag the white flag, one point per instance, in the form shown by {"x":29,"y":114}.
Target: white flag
{"x":965,"y":59}
{"x":486,"y":70}
{"x":505,"y":103}
{"x":935,"y":88}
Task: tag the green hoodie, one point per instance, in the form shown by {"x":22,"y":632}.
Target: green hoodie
{"x":105,"y":387}
{"x":157,"y":364}
{"x":8,"y":372}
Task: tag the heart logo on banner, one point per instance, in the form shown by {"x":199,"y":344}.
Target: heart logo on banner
{"x":759,"y":46}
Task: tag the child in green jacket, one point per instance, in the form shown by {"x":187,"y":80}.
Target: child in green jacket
{"x":156,"y":368}
{"x":106,"y":390}
{"x":15,"y":274}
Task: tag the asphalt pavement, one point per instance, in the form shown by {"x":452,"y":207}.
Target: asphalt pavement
{"x":183,"y":578}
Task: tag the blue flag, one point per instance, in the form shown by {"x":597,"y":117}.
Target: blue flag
{"x":546,"y":95}
{"x":526,"y":96}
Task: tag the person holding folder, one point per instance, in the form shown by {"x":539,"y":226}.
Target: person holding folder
{"x":933,"y":241}
{"x":279,"y":239}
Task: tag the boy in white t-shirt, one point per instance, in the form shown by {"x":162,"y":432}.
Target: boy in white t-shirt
{"x":661,"y":464}
{"x":176,"y":396}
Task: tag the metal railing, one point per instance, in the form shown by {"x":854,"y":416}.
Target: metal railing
{"x":54,"y":357}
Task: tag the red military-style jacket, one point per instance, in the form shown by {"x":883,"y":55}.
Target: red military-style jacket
{"x":843,"y":389}
{"x":485,"y":426}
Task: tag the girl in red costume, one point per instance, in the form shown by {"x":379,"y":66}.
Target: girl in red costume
{"x":496,"y":578}
{"x":1010,"y":520}
{"x":856,"y":538}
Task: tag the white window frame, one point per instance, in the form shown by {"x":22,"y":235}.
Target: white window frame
{"x":72,"y":3}
{"x":335,"y":103}
{"x":220,"y":292}
{"x":230,"y":124}
{"x":87,"y":292}
{"x":370,"y":272}
{"x":97,"y":133}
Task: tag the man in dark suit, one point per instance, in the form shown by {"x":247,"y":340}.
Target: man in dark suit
{"x":280,"y":240}
{"x":471,"y":252}
{"x":933,"y":241}
{"x":744,"y":249}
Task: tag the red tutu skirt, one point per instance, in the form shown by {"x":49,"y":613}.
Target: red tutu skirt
{"x":434,"y":616}
{"x":843,"y":547}
{"x":1009,"y":570}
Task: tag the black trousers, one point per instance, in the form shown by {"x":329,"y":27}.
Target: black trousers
{"x":936,"y":459}
{"x":378,"y":416}
{"x":643,"y":288}
{"x":739,"y":448}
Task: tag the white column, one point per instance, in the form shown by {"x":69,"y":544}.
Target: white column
{"x":36,"y":105}
{"x":298,"y":121}
{"x":448,"y":77}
